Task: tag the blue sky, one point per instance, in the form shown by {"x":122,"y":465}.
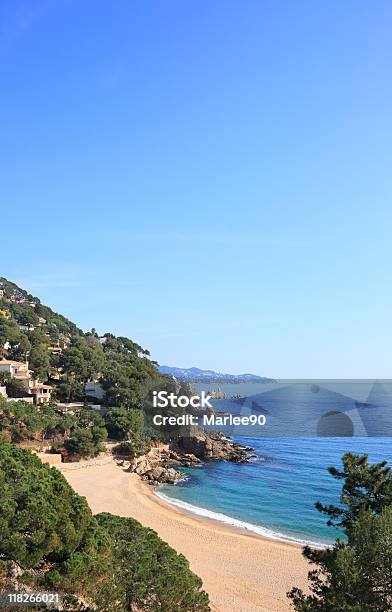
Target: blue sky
{"x":212,"y":179}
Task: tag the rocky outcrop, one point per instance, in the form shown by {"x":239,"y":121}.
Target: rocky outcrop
{"x":157,"y":466}
{"x":190,"y":449}
{"x":209,"y":446}
{"x":218,"y":394}
{"x":160,"y":474}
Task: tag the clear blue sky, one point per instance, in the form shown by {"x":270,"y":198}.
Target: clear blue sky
{"x":212,"y":179}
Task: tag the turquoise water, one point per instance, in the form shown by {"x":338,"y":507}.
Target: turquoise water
{"x":275,"y":494}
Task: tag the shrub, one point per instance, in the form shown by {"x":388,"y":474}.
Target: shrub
{"x":114,"y":563}
{"x":148,"y":574}
{"x":354,"y":576}
{"x":45,"y":526}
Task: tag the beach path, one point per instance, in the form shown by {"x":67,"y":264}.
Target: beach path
{"x":241,"y":571}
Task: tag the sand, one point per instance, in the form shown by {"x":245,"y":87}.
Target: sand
{"x":241,"y":571}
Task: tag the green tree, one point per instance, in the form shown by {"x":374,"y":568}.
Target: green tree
{"x":122,"y":422}
{"x":81,"y":360}
{"x":25,"y":421}
{"x":9,"y":333}
{"x":39,"y":361}
{"x":86,"y":442}
{"x":24,"y":314}
{"x":67,"y":422}
{"x":70,"y":389}
{"x":148,"y":574}
{"x":128,"y":424}
{"x":21,"y":350}
{"x":46,"y":527}
{"x":80,"y":443}
{"x":354,"y":575}
{"x":15,"y":388}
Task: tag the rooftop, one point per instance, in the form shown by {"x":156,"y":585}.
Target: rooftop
{"x":11,"y":362}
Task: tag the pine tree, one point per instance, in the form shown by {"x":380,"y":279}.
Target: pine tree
{"x":355,"y":575}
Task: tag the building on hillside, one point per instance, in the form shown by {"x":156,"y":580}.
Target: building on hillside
{"x":14,"y":368}
{"x":19,"y":371}
{"x":17,"y":299}
{"x":2,"y":291}
{"x":3,"y":392}
{"x":64,"y":340}
{"x":25,"y":328}
{"x":28,"y":399}
{"x":41,"y":321}
{"x":55,"y":349}
{"x":41,"y":393}
{"x":57,"y":374}
{"x":93,"y":388}
{"x":72,"y":407}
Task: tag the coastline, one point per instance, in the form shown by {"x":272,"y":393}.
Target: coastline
{"x":241,"y":570}
{"x":238,"y":524}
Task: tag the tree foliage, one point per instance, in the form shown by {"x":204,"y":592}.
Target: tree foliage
{"x":81,"y":434}
{"x":148,"y":574}
{"x":113,"y":563}
{"x":85,"y":433}
{"x":355,"y":575}
{"x":24,"y":421}
{"x":121,"y":423}
{"x":45,"y":526}
{"x":122,"y":366}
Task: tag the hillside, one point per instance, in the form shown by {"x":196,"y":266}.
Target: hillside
{"x":208,"y":376}
{"x":62,"y":355}
{"x":61,"y":546}
{"x":51,"y":541}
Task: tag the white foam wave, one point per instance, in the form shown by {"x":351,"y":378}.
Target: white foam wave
{"x":228,"y":520}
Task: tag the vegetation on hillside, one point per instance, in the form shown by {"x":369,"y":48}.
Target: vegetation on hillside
{"x":80,"y":434}
{"x":148,"y":573}
{"x":61,"y":354}
{"x":21,"y":421}
{"x":46,"y":528}
{"x":50,"y":534}
{"x":356,"y":575}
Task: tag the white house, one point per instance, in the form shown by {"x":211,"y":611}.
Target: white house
{"x":26,"y":327}
{"x":20,"y":371}
{"x":93,"y":388}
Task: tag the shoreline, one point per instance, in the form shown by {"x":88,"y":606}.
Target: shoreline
{"x":237,"y":524}
{"x":241,"y":570}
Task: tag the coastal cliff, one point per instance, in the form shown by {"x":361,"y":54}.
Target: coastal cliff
{"x":211,"y":445}
{"x":159,"y":465}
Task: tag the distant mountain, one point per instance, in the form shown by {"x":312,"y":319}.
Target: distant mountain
{"x":197,"y":375}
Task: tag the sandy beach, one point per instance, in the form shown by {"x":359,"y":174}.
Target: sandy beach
{"x":241,"y":571}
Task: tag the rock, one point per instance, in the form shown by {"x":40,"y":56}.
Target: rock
{"x":212,"y":446}
{"x":155,"y":473}
{"x":163,"y":475}
{"x":188,"y":450}
{"x":142,"y":467}
{"x":14,"y":570}
{"x":172,"y":475}
{"x":191,"y":458}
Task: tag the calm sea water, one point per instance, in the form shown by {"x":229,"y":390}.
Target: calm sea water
{"x":275,"y":494}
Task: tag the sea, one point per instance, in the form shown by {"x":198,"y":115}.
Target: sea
{"x":311,"y":425}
